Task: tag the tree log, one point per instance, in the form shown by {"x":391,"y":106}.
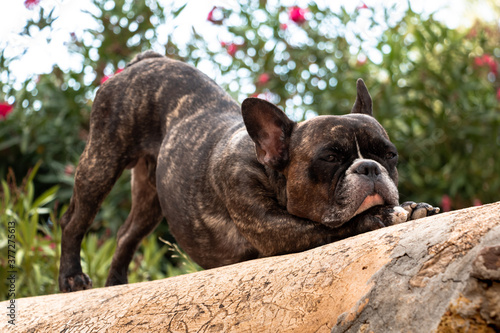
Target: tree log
{"x":437,"y":274}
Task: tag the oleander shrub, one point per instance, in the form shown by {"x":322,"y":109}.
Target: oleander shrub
{"x":37,"y":241}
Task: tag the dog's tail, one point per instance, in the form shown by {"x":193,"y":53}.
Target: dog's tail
{"x":144,"y":55}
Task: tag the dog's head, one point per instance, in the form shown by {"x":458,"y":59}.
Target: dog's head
{"x":336,"y":167}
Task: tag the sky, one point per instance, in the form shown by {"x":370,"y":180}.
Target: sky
{"x":37,"y":56}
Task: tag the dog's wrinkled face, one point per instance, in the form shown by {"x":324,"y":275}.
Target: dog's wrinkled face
{"x":339,"y":167}
{"x":336,"y":167}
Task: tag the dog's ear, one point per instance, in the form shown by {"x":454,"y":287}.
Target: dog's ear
{"x":363,"y":103}
{"x":270,"y":129}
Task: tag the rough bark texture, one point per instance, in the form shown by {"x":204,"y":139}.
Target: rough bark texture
{"x":438,"y":274}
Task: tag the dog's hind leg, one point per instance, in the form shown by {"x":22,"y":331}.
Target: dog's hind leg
{"x":142,"y":220}
{"x":96,"y":174}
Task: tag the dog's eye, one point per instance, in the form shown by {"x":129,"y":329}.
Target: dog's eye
{"x":390,"y":155}
{"x":330,"y":158}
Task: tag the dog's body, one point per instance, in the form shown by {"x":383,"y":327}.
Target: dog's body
{"x":231,"y":190}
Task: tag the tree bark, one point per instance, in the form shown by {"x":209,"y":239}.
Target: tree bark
{"x":438,"y":274}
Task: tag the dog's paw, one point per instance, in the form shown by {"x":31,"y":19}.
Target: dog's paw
{"x":398,"y":215}
{"x":419,"y":210}
{"x":80,"y":281}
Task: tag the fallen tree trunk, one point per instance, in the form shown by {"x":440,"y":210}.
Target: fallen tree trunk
{"x":440,"y":273}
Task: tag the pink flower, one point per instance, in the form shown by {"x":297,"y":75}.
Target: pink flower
{"x":106,"y":77}
{"x":265,"y":96}
{"x":211,"y":18}
{"x":30,"y":4}
{"x":494,"y":68}
{"x":263,"y":78}
{"x":487,"y":60}
{"x":283,"y":26}
{"x":5,"y":109}
{"x":446,"y":203}
{"x":490,"y":61}
{"x":231,"y":49}
{"x":361,"y":61}
{"x":477,"y":202}
{"x":69,"y":169}
{"x":363,"y":6}
{"x":297,"y":15}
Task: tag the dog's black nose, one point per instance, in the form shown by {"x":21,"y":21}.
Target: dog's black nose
{"x":368,"y":168}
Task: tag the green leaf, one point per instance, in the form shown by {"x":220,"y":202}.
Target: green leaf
{"x":178,"y":11}
{"x":45,"y":197}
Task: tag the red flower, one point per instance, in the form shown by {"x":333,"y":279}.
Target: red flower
{"x":363,"y":6}
{"x":231,"y":49}
{"x":30,"y":4}
{"x":487,"y":60}
{"x":490,"y":61}
{"x":297,"y":15}
{"x":494,"y":68}
{"x":211,"y":18}
{"x":5,"y":109}
{"x":106,"y":77}
{"x":263,"y":78}
{"x":283,"y":26}
{"x":446,"y":203}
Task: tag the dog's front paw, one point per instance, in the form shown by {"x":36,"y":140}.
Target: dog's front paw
{"x":80,"y":281}
{"x":398,"y":215}
{"x":419,"y":210}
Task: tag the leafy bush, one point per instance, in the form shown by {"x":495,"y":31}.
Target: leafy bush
{"x":36,"y":250}
{"x":38,"y":242}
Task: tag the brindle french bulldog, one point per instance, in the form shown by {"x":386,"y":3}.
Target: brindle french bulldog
{"x":233,"y":183}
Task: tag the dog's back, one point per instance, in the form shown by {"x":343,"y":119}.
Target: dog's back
{"x":152,"y":96}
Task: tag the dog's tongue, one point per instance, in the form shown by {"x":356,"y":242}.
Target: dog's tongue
{"x":369,"y":202}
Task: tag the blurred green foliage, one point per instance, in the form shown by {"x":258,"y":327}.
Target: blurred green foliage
{"x":435,"y":90}
{"x":37,"y":250}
